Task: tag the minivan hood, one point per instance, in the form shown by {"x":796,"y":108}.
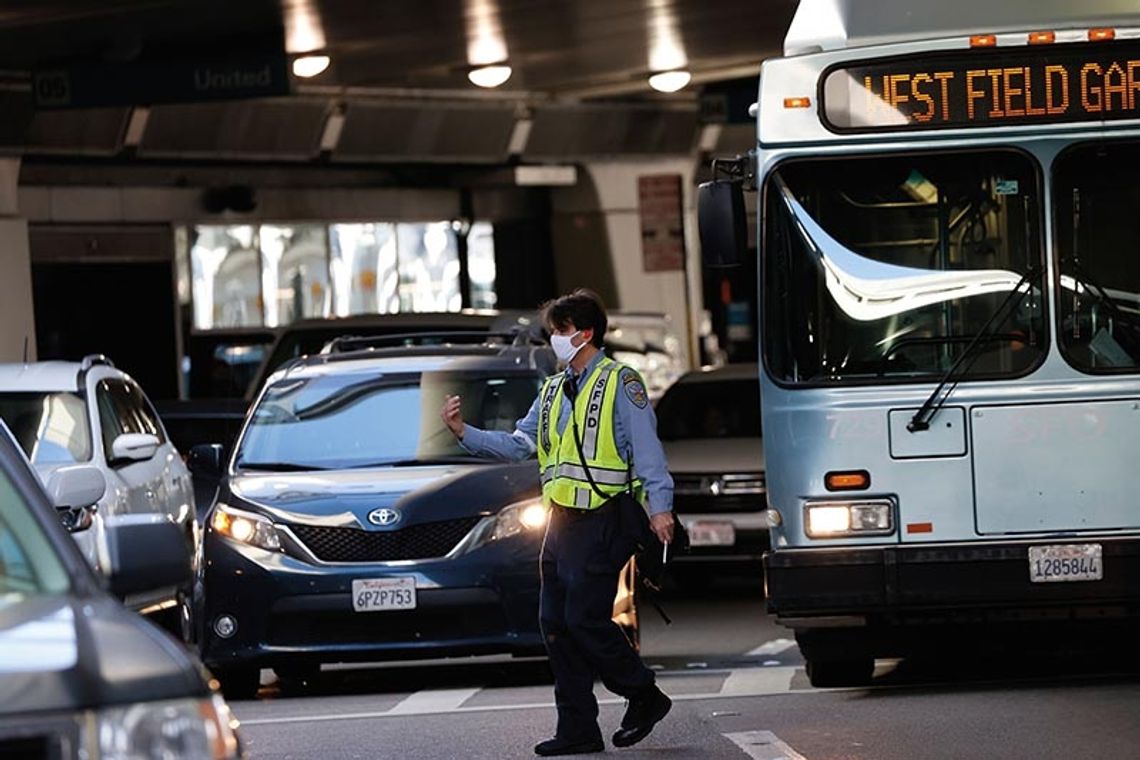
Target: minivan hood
{"x":718,"y":456}
{"x":67,"y":653}
{"x":424,"y":493}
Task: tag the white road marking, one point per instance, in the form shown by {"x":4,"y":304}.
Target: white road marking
{"x":433,"y":701}
{"x":775,"y":646}
{"x":767,"y":682}
{"x":763,"y":745}
{"x":749,"y":681}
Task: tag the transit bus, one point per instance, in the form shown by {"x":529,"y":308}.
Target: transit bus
{"x":949,"y":256}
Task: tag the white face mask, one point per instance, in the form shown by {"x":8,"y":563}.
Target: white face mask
{"x":564,"y":348}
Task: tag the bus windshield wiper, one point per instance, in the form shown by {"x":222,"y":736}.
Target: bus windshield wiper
{"x":937,"y":398}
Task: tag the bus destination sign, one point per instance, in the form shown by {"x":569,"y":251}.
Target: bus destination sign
{"x":1035,"y":84}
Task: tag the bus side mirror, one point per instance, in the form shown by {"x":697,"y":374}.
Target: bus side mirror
{"x":723,"y":222}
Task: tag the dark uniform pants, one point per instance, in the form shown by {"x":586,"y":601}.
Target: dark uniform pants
{"x":582,"y":555}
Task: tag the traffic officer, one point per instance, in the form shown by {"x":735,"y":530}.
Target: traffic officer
{"x":595,"y":434}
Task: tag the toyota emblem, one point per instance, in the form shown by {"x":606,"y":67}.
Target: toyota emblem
{"x":384,"y":517}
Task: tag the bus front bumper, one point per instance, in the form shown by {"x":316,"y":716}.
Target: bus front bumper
{"x":900,"y":585}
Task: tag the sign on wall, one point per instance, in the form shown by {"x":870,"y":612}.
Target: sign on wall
{"x":659,"y":206}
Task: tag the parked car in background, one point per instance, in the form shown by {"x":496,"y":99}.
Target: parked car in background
{"x":80,"y":676}
{"x":89,"y":413}
{"x":350,"y":525}
{"x":709,"y":423}
{"x":647,"y":342}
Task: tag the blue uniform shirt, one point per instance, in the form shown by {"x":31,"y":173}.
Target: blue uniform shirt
{"x":635,"y":428}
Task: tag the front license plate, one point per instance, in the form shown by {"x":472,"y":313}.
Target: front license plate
{"x":1066,"y":562}
{"x":712,"y":534}
{"x":384,"y":594}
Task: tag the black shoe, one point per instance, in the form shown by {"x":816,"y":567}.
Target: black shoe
{"x":558,"y":746}
{"x":643,"y":714}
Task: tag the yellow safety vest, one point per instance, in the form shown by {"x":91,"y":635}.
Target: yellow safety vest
{"x":564,"y":480}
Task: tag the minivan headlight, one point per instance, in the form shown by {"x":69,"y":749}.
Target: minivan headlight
{"x":192,"y":729}
{"x":247,"y":527}
{"x":528,"y":516}
{"x":856,"y":518}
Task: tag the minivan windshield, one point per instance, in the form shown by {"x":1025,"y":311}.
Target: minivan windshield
{"x":363,"y":419}
{"x":28,"y":562}
{"x":1097,"y":202}
{"x":884,"y":268}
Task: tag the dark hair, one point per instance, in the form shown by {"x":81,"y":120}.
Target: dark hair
{"x":583,"y":309}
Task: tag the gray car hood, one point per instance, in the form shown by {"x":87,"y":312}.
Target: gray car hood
{"x":67,"y":653}
{"x":692,"y":456}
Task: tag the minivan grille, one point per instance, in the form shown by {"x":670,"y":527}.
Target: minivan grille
{"x":718,"y":493}
{"x":423,"y":541}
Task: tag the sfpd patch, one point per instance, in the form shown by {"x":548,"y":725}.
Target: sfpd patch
{"x":635,"y":390}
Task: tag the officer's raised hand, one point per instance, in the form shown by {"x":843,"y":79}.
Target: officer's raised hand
{"x":662,"y":524}
{"x":453,"y":418}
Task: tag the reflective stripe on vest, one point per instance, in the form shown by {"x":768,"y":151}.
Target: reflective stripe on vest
{"x":564,"y":478}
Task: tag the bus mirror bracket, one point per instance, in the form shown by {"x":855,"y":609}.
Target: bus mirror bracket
{"x":721,"y":215}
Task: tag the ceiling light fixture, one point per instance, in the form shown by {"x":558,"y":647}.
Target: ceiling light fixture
{"x":490,"y":76}
{"x":669,"y":81}
{"x":310,"y":65}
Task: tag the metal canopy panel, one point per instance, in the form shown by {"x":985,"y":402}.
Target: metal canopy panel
{"x":272,"y":129}
{"x":595,"y":131}
{"x":92,"y":131}
{"x":837,"y":24}
{"x":423,"y":131}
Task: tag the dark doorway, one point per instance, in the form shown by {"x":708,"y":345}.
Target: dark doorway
{"x":123,"y":310}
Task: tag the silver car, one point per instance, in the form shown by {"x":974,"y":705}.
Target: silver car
{"x":65,"y":414}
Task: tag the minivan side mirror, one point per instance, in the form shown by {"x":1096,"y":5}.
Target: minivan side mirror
{"x":206,"y":459}
{"x":75,"y":491}
{"x":723,"y":222}
{"x":134,"y":447}
{"x":146,"y":552}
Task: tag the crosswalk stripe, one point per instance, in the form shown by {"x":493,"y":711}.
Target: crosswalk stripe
{"x":775,"y":646}
{"x":434,"y":701}
{"x":763,"y":745}
{"x":751,"y":681}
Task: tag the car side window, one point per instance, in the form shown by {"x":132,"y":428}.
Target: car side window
{"x":147,"y":417}
{"x":111,"y":424}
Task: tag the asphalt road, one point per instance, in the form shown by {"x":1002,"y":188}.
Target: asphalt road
{"x":739,"y":691}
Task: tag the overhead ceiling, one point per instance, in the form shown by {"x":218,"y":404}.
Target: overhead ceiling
{"x":560,"y":48}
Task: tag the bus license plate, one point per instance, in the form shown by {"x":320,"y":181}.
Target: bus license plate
{"x":1066,"y":562}
{"x":384,"y":594}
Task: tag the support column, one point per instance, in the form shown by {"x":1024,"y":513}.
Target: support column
{"x":17,"y":315}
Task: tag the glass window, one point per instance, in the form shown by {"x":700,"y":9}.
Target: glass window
{"x":710,"y":409}
{"x":29,"y":565}
{"x":225,"y":270}
{"x":1097,"y":203}
{"x":51,"y":428}
{"x":361,"y":419}
{"x":295,"y":261}
{"x":429,"y":267}
{"x":124,"y":409}
{"x":886,"y":267}
{"x":364,"y":272}
{"x":481,"y":265}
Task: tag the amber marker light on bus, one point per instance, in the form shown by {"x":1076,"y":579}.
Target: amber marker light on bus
{"x":797,"y":102}
{"x":847,"y":480}
{"x":983,"y":40}
{"x":1102,"y":35}
{"x":1042,"y":38}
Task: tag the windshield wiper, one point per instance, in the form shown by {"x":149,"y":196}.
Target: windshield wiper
{"x":936,"y":400}
{"x":278,"y":466}
{"x":414,"y":461}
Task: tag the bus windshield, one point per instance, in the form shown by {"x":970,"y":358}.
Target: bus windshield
{"x":1097,"y":200}
{"x":885,"y":268}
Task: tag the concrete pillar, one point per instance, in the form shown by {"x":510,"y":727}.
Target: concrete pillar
{"x":596,"y":230}
{"x":17,"y":316}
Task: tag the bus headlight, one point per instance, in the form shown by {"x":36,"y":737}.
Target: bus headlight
{"x":834,"y":519}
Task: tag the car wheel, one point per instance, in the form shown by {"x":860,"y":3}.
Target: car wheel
{"x":239,"y":682}
{"x":856,"y":671}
